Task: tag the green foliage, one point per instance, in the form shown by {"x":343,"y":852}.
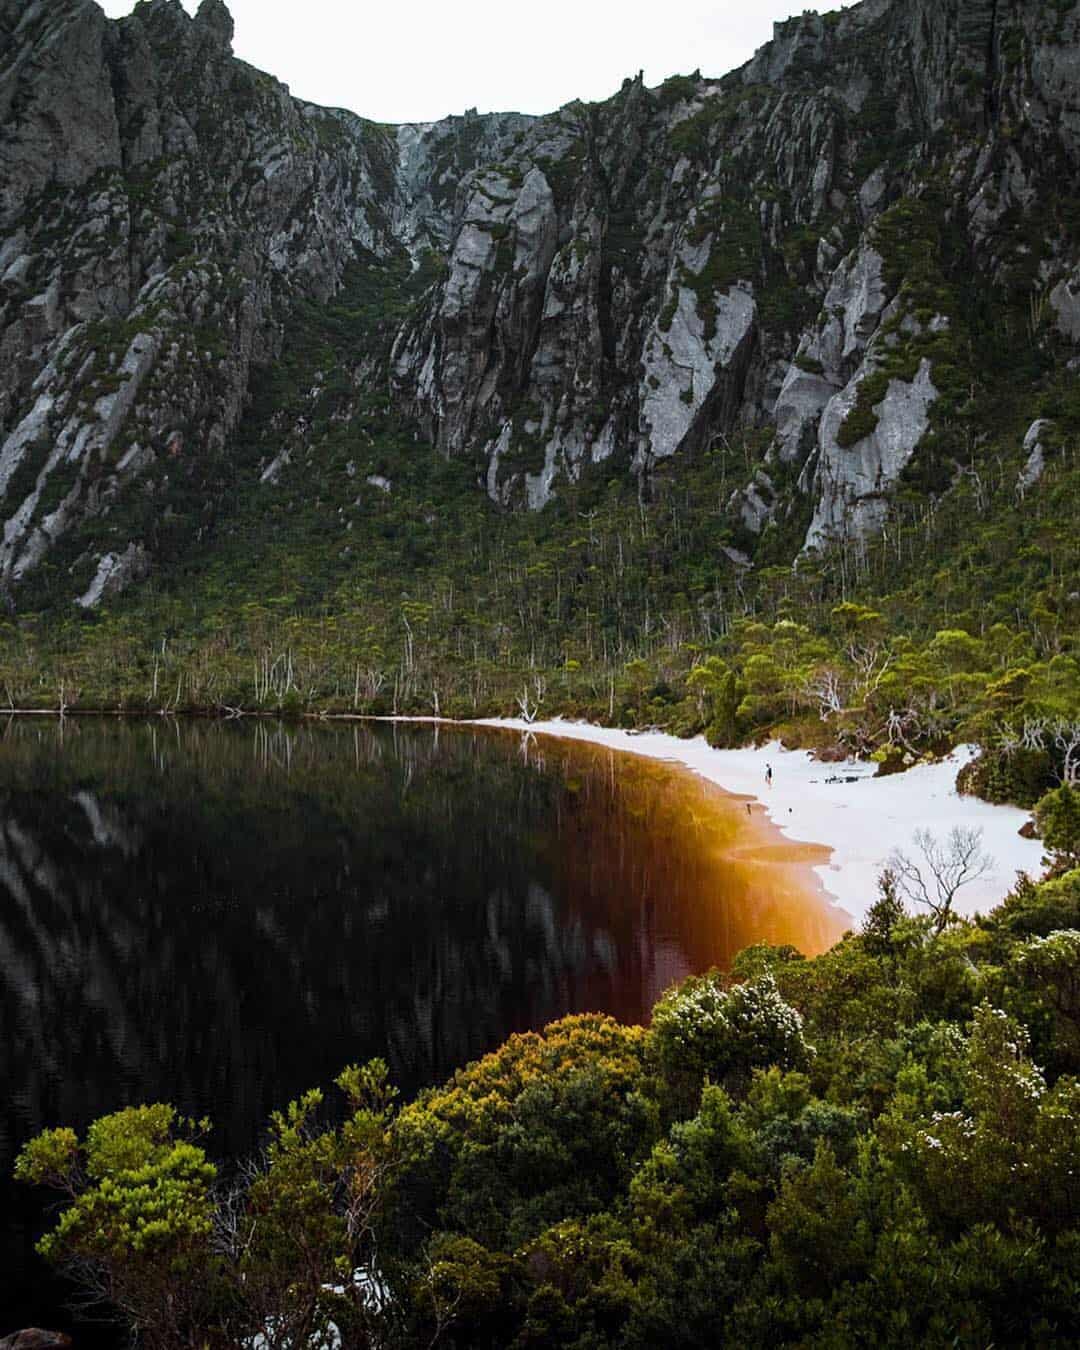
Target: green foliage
{"x":1046,"y":973}
{"x":190,"y":1264}
{"x":862,"y":420}
{"x":1058,"y":819}
{"x":141,"y":1212}
{"x":1034,"y":910}
{"x":883,"y":918}
{"x":913,"y":1182}
{"x":814,"y":1234}
{"x":1022,"y":776}
{"x":701,"y":1030}
{"x":527,"y":1135}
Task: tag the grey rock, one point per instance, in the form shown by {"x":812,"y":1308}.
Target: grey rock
{"x":56,"y":100}
{"x":115,"y":572}
{"x":1035,"y":464}
{"x":852,"y":483}
{"x":755,"y":503}
{"x":683,"y":366}
{"x":829,"y":353}
{"x":1065,"y":302}
{"x":872,"y":191}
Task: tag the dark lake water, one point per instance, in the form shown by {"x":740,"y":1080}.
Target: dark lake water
{"x":222,"y":915}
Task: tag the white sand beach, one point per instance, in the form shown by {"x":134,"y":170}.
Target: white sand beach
{"x":843,"y":806}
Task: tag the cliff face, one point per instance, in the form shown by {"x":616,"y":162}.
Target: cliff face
{"x":163,"y":208}
{"x":641,"y":277}
{"x":792,"y":252}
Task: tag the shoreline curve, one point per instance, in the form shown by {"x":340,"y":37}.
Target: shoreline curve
{"x":859,"y":817}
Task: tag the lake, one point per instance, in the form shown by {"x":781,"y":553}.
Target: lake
{"x":222,"y":914}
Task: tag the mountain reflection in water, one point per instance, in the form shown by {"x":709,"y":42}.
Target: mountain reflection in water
{"x":221,"y":915}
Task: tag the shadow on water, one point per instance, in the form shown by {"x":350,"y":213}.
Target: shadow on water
{"x":221,"y":915}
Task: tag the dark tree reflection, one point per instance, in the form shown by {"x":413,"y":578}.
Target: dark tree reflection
{"x":222,"y":915}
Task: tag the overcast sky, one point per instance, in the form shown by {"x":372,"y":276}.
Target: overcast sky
{"x":418,"y":61}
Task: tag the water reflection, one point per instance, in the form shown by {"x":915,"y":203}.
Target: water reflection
{"x":221,"y":915}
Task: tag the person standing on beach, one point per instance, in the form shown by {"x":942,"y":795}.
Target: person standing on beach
{"x":768,"y":775}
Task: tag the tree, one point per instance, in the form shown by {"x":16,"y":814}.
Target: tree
{"x":702,"y":1030}
{"x":1057,"y":816}
{"x":1049,"y":969}
{"x":544,"y":1128}
{"x":285,"y":1256}
{"x":1066,"y":732}
{"x":138,"y":1230}
{"x":299,"y":1237}
{"x":815,"y":1238}
{"x":946,"y":866}
{"x":1010,"y":1150}
{"x":883,"y":916}
{"x":717,"y":694}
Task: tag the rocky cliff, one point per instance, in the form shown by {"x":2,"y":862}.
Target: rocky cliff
{"x":801,"y":257}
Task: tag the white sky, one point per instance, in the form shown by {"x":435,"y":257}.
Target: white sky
{"x":416,"y":62}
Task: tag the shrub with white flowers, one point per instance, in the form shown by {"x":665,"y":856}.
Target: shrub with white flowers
{"x":1048,"y":969}
{"x":1011,"y":1148}
{"x":703,"y":1030}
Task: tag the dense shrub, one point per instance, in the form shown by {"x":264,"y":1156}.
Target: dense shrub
{"x":913,"y":1182}
{"x":703,"y":1030}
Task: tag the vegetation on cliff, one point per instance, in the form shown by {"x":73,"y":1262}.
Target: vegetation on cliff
{"x":372,"y":577}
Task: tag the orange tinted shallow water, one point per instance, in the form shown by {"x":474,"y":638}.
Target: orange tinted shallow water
{"x":681,"y":864}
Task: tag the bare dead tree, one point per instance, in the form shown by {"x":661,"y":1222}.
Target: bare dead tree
{"x":872,"y":660}
{"x":825,"y":688}
{"x":529,"y":700}
{"x":1033,"y":733}
{"x":944,"y":866}
{"x":443,"y":1298}
{"x":274,"y":676}
{"x":903,"y":727}
{"x":1066,"y":735}
{"x":1009,"y":740}
{"x":936,"y":719}
{"x":859,"y":736}
{"x":368,"y":684}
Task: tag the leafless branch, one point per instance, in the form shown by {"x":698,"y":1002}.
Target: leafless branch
{"x":945,"y":865}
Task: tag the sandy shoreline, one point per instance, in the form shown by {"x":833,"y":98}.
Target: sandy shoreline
{"x":862,"y":819}
{"x":842,"y":808}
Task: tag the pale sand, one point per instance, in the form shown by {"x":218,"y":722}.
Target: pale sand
{"x":862,"y":822}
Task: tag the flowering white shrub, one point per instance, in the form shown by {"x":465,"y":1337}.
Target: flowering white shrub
{"x":1013,"y":1142}
{"x":1053,"y":959}
{"x":701,"y":1028}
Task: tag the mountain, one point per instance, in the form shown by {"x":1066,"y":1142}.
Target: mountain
{"x":779,"y":249}
{"x":575,"y":385}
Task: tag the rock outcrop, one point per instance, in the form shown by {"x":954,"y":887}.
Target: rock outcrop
{"x":164,"y":207}
{"x":1035,"y":450}
{"x":852,"y":481}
